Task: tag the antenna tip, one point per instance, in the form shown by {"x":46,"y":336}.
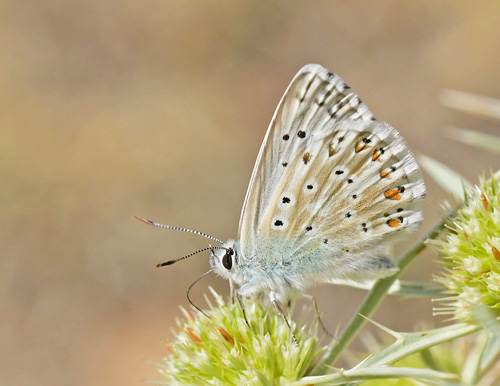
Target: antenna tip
{"x":141,"y":220}
{"x":165,"y":263}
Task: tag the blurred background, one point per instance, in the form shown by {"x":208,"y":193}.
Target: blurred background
{"x":158,"y":108}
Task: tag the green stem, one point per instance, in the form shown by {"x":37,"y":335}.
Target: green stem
{"x":371,"y":303}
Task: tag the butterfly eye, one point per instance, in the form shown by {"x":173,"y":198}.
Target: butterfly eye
{"x":227,"y":260}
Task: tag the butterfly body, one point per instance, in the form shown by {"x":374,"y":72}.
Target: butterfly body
{"x":331,"y":190}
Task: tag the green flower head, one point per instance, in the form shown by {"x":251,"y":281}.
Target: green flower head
{"x":220,"y":349}
{"x":471,"y":253}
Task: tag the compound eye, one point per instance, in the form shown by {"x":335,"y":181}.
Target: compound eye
{"x":227,"y":260}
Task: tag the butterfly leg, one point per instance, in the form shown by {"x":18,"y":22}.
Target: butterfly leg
{"x":318,"y":316}
{"x":240,"y":301}
{"x":279,"y":310}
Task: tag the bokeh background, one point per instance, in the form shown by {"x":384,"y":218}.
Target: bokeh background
{"x":157,"y":108}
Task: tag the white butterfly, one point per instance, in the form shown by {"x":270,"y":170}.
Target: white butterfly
{"x":330,"y":190}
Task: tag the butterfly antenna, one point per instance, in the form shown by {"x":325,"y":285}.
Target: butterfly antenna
{"x":170,"y":262}
{"x":189,"y":290}
{"x":155,"y":224}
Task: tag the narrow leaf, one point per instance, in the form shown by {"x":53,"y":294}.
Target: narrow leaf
{"x":446,"y":177}
{"x":471,"y":103}
{"x":472,"y":365}
{"x":414,"y":289}
{"x":378,"y":372}
{"x":475,"y":138}
{"x":491,"y":351}
{"x":412,"y":342}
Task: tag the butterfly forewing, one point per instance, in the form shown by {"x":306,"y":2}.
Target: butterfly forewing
{"x":331,"y":185}
{"x":313,"y":84}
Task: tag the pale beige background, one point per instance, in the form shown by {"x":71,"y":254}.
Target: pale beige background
{"x":111,"y":108}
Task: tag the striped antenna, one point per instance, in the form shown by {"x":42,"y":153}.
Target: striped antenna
{"x":155,"y":224}
{"x":170,"y":262}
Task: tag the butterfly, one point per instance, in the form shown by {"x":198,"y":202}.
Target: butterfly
{"x":331,"y":190}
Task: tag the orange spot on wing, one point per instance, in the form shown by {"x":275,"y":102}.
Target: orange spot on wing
{"x":392,"y":194}
{"x":306,"y":158}
{"x":376,"y":155}
{"x":361,"y":146}
{"x":228,"y":338}
{"x":193,"y":336}
{"x":385,"y":175}
{"x":393,"y":223}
